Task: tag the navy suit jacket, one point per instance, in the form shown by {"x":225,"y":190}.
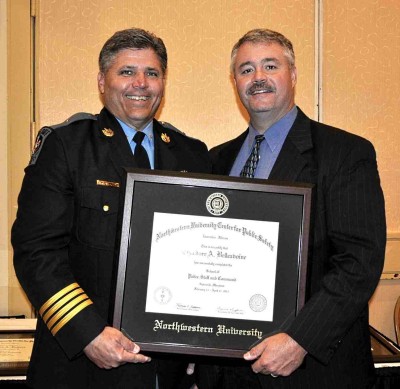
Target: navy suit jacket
{"x":346,"y":253}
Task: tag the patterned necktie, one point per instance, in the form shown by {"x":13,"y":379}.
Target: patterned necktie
{"x":140,"y":154}
{"x":250,"y":166}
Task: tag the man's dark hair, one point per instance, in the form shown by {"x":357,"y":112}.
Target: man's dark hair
{"x":132,"y":38}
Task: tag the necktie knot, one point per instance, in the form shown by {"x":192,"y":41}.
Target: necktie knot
{"x":259,"y":138}
{"x":138,"y":138}
{"x":251,"y":164}
{"x":140,"y":153}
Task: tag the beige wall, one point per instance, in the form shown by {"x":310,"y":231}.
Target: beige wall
{"x":16,"y":134}
{"x":4,"y":235}
{"x":359,"y":54}
{"x":361,"y":83}
{"x":199,"y":99}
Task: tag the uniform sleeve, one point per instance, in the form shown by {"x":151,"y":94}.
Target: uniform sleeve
{"x":352,"y":254}
{"x":40,"y":237}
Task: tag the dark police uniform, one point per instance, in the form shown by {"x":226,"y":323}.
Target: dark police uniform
{"x":64,"y":238}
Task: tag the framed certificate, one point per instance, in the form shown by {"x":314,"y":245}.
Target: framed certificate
{"x":16,"y":342}
{"x":209,"y":265}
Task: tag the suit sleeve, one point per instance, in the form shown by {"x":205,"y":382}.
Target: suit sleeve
{"x":40,"y":237}
{"x":352,"y":216}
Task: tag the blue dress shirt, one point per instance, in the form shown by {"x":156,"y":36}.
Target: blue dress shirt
{"x":148,"y":140}
{"x":269,"y":149}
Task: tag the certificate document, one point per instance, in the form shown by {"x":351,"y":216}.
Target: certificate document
{"x":15,"y":350}
{"x":214,"y":267}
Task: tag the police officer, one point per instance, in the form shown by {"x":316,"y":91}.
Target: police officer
{"x":64,"y":234}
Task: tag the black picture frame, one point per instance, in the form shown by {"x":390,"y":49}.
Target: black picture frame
{"x":186,"y":194}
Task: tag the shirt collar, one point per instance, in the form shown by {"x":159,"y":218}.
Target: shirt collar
{"x":130,"y":132}
{"x":276,"y":134}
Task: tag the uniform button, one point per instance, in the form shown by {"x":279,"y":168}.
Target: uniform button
{"x":106,"y":208}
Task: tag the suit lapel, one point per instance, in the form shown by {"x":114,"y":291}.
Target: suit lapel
{"x":228,"y":154}
{"x":164,"y":158}
{"x":294,"y":155}
{"x":119,"y":150}
{"x":121,"y":153}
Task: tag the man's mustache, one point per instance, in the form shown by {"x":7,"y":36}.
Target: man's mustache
{"x":260,"y":86}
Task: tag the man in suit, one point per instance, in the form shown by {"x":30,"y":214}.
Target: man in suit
{"x":327,"y":345}
{"x":64,"y":234}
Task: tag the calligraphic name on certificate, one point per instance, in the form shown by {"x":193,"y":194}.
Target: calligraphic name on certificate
{"x":203,"y":266}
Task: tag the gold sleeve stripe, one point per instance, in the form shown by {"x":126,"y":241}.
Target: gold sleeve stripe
{"x":107,"y":183}
{"x":70,"y":315}
{"x":58,"y":295}
{"x":65,"y":309}
{"x":53,"y":309}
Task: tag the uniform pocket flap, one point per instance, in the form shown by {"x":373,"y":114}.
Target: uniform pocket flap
{"x":101,"y":199}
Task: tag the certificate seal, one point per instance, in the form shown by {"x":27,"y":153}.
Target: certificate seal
{"x":217,"y":204}
{"x":162,"y":295}
{"x":258,"y":303}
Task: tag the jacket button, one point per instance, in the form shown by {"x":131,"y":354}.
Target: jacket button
{"x":106,"y":208}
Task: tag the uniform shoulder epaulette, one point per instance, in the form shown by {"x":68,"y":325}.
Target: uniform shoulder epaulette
{"x":169,"y":126}
{"x":47,"y":130}
{"x":74,"y":118}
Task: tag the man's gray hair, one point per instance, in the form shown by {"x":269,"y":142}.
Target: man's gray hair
{"x":132,"y":38}
{"x":263,"y":35}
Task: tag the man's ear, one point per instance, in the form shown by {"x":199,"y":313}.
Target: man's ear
{"x":100,"y":82}
{"x":294,"y":75}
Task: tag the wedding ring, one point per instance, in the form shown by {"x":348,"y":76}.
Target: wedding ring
{"x":273,"y":375}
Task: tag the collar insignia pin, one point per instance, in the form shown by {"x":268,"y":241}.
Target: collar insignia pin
{"x":165,"y":137}
{"x":108,"y":132}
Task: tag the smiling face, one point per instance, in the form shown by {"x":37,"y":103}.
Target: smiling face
{"x":133,"y":86}
{"x":265,"y":82}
